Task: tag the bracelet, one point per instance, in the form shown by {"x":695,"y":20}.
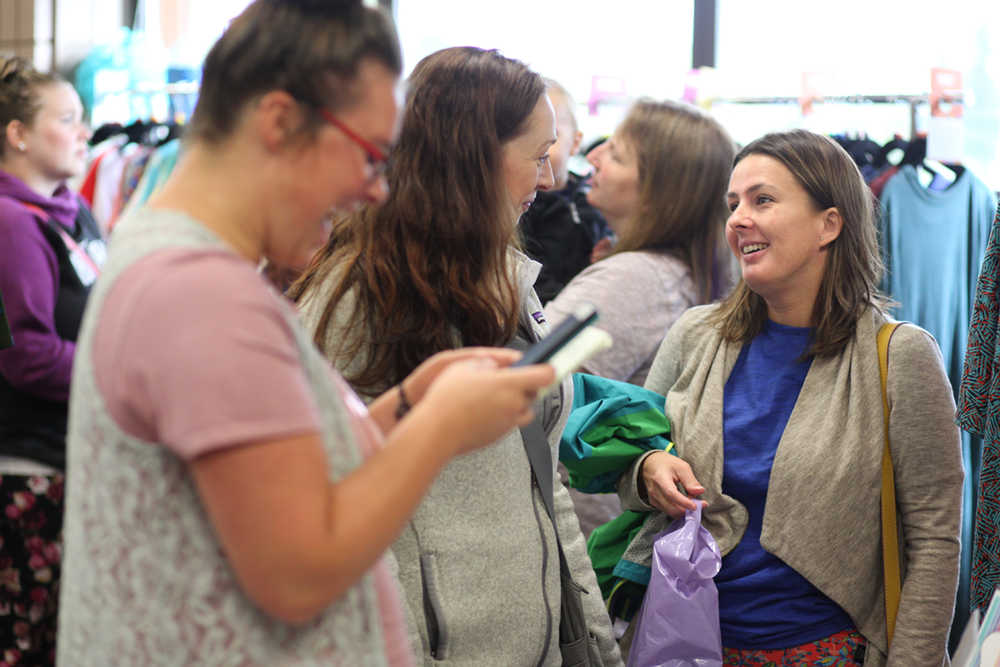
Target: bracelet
{"x":404,"y":404}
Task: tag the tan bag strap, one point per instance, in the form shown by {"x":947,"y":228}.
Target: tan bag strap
{"x":890,"y":536}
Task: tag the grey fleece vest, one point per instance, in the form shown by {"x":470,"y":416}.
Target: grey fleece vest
{"x":144,"y":579}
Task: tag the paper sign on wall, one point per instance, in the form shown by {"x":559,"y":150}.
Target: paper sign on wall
{"x":945,"y":131}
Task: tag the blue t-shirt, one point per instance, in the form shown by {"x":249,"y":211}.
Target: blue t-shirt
{"x":763,"y":603}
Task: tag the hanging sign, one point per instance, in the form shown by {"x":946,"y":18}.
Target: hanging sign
{"x":604,"y":89}
{"x":700,"y":87}
{"x":946,"y":93}
{"x":810,"y":92}
{"x":945,"y":131}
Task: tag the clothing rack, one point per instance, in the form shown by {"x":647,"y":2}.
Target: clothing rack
{"x":174,"y":88}
{"x":913,"y":101}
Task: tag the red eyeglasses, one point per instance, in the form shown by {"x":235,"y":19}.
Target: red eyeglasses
{"x":378,"y":161}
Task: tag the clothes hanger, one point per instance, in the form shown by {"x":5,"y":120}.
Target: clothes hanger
{"x":892,"y":152}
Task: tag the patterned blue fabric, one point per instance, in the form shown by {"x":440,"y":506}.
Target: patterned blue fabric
{"x":933,"y":243}
{"x":979,"y":413}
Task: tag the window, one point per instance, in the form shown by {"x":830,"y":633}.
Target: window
{"x":633,"y":46}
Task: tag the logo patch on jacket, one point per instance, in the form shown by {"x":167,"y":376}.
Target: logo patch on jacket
{"x":539,"y":317}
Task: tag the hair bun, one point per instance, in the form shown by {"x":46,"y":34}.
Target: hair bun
{"x":12,"y":68}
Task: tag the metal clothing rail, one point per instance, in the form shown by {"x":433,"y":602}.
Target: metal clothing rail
{"x":912,"y":100}
{"x":843,"y":99}
{"x":174,"y":88}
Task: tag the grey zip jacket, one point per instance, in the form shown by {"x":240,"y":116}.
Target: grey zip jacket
{"x":478,"y":562}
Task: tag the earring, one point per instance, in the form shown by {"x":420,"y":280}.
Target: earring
{"x":22,"y":147}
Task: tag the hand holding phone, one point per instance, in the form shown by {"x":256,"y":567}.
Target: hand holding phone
{"x":569,"y":344}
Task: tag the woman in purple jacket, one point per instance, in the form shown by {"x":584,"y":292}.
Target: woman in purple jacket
{"x":50,"y":254}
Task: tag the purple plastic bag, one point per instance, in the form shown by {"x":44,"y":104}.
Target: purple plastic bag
{"x":679,"y":621}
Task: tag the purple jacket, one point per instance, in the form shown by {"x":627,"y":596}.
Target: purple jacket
{"x":39,"y":364}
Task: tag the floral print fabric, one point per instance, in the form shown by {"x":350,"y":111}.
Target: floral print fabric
{"x":30,"y":558}
{"x":844,"y":649}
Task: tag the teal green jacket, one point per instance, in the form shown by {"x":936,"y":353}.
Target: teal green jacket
{"x":611,"y":424}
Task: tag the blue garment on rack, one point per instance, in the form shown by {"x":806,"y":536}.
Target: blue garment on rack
{"x":933,"y":242}
{"x":158,"y":168}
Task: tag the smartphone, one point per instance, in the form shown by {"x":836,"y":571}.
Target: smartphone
{"x":542,"y":351}
{"x":568,"y":345}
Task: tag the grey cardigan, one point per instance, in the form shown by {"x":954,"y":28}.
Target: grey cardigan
{"x":478,"y":562}
{"x":822,"y":514}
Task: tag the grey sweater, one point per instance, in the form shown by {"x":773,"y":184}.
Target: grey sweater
{"x":638,"y":296}
{"x":478,"y":563}
{"x":822,"y":514}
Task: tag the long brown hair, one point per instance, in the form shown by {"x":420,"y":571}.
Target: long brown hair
{"x":431,"y":268}
{"x":853,"y":266}
{"x":684,"y":158}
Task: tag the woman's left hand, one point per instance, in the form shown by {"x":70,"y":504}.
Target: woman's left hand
{"x":669,"y":484}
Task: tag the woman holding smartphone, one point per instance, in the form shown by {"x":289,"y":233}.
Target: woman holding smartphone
{"x":436,"y":269}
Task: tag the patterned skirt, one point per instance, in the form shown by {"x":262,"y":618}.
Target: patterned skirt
{"x":30,"y":557}
{"x":844,"y":649}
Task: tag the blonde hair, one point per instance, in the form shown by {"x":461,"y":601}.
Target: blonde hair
{"x":684,"y":158}
{"x":19,"y":100}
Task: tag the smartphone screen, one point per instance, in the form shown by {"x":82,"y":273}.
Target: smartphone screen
{"x":562,"y":334}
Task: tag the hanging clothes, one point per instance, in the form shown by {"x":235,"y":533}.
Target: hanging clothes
{"x":979,"y":413}
{"x":158,"y":167}
{"x":129,"y":163}
{"x":933,"y":241}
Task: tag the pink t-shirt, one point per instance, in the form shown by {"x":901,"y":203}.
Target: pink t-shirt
{"x":194,"y":351}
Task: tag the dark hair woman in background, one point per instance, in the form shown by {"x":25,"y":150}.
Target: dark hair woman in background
{"x":434,"y":269}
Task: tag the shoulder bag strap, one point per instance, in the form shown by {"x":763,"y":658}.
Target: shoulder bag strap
{"x":573,"y":630}
{"x":890,"y":536}
{"x":536,"y":446}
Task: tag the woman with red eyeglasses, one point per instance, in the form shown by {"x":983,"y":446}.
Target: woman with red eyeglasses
{"x":230,"y":497}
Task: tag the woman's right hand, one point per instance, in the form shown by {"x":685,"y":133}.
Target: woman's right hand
{"x":662,"y":475}
{"x":478,"y":402}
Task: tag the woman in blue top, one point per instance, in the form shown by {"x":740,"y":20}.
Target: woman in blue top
{"x":774,"y":399}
